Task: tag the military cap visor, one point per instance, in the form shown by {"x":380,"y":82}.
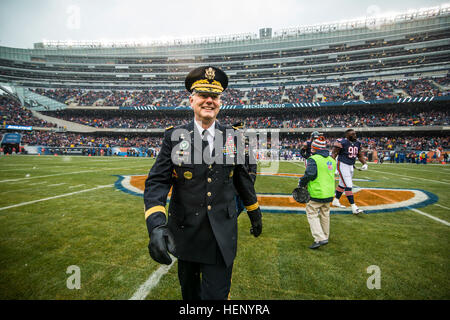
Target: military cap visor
{"x":206,"y":79}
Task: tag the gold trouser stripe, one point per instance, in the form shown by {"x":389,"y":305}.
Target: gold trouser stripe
{"x":153,"y":210}
{"x":252,"y":207}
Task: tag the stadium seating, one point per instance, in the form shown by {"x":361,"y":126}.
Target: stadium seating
{"x":360,"y":90}
{"x":13,"y":114}
{"x":126,"y":98}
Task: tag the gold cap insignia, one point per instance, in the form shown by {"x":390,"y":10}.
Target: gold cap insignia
{"x":188,"y":175}
{"x":210,"y":73}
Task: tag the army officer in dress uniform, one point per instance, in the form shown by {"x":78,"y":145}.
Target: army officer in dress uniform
{"x":200,"y":162}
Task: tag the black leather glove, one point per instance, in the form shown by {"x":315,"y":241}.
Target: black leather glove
{"x":256,"y":221}
{"x":161,"y":242}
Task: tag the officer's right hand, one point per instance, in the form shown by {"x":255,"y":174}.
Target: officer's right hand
{"x":161,"y":242}
{"x":256,"y":221}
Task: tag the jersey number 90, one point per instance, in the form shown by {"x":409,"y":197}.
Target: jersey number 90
{"x":352,"y":152}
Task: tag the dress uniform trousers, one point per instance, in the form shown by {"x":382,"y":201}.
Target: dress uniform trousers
{"x":214,"y":284}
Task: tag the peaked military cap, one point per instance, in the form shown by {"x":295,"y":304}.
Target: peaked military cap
{"x":206,"y":79}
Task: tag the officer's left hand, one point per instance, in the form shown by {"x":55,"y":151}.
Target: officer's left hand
{"x":161,"y":243}
{"x":364,"y":166}
{"x":256,"y":221}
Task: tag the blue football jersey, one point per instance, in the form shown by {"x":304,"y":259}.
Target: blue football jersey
{"x":349,"y":150}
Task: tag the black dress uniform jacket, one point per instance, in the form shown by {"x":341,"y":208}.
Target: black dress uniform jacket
{"x":202,"y":210}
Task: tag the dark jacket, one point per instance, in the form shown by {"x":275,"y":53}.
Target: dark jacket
{"x":311,"y":173}
{"x":202,"y":211}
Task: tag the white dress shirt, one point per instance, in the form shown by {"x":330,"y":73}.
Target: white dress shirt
{"x":210,"y":134}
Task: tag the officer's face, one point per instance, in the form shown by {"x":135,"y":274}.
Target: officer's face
{"x":206,"y":106}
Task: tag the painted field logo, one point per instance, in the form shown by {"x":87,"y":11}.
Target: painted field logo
{"x":371,"y":200}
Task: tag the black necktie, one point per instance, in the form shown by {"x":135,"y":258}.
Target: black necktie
{"x":205,"y":143}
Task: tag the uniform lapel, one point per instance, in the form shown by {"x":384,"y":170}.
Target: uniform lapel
{"x":194,"y":132}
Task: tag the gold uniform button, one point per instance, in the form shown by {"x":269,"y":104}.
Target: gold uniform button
{"x":209,"y":194}
{"x":209,"y":180}
{"x":209,"y":207}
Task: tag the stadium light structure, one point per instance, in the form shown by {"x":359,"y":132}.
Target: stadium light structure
{"x":377,"y":20}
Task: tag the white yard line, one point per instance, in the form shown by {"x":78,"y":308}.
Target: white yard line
{"x":49,"y":175}
{"x":79,"y":185}
{"x":411,"y":164}
{"x":436,"y":204}
{"x":430,"y":216}
{"x":28,"y":188}
{"x":67,"y":173}
{"x":20,"y":182}
{"x":57,"y":184}
{"x":421,"y":170}
{"x":402,"y":175}
{"x":18,"y":169}
{"x":152,"y":281}
{"x":418,"y":211}
{"x":54,"y":197}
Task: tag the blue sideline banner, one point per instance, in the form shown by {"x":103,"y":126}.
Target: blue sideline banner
{"x":302,"y":104}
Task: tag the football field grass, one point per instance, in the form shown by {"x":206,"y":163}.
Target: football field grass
{"x":57,"y":212}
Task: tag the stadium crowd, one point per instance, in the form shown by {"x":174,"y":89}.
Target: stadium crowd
{"x":11,"y":113}
{"x":378,"y":143}
{"x":305,"y":119}
{"x":287,"y":142}
{"x":68,"y":139}
{"x":361,"y":90}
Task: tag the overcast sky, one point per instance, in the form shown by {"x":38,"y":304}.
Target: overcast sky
{"x":24,"y":22}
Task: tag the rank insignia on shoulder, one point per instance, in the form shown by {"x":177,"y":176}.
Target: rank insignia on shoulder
{"x":238,"y":125}
{"x":168,"y":128}
{"x":188,"y":175}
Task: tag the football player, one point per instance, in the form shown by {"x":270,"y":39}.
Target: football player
{"x":347,"y":150}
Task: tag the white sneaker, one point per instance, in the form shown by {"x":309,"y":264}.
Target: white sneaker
{"x":356,"y":210}
{"x":336,"y":203}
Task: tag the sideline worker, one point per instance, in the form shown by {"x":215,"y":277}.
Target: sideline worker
{"x":319,"y":177}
